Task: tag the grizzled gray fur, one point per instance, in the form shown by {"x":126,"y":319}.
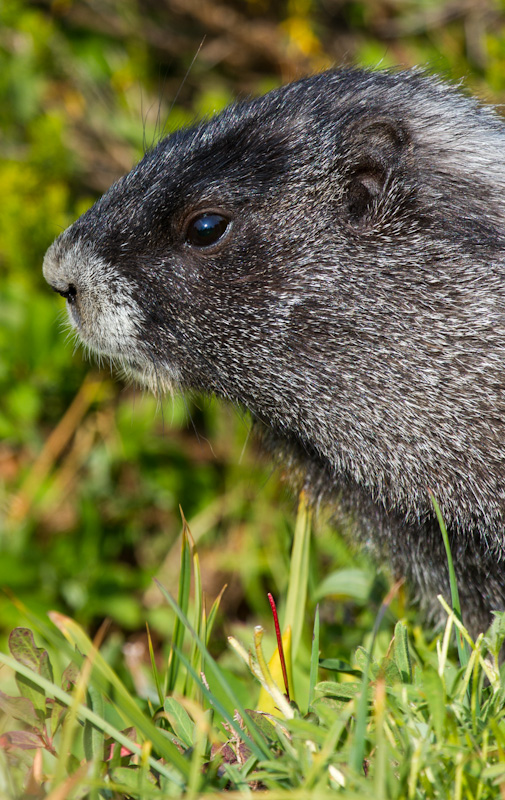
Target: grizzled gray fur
{"x":332,"y":257}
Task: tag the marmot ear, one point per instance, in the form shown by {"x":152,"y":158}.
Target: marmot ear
{"x":375,"y":148}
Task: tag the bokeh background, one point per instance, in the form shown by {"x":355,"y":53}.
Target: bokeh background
{"x":92,"y":472}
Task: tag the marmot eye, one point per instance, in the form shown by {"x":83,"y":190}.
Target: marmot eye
{"x":206,"y":229}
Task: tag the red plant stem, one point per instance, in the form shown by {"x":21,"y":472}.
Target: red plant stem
{"x":280,"y":646}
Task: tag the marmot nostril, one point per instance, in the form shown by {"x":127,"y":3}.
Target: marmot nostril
{"x":69,"y":294}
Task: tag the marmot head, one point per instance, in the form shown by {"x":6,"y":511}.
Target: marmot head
{"x":323,"y":255}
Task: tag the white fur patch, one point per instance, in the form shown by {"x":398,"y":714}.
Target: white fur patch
{"x":107,"y":319}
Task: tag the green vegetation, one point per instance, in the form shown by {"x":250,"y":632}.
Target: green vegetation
{"x":404,"y":725}
{"x":93,"y":474}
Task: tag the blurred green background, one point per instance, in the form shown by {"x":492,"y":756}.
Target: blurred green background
{"x":92,"y":473}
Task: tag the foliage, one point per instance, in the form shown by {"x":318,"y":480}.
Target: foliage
{"x":408,"y":724}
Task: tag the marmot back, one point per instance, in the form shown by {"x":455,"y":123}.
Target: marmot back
{"x":331,"y":256}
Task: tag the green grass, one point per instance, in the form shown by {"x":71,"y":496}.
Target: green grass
{"x":409,"y":723}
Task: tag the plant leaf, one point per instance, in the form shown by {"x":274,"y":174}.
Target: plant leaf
{"x":337,"y":665}
{"x":401,"y":652}
{"x":349,"y":584}
{"x":22,"y":709}
{"x":495,"y":636}
{"x":69,"y":677}
{"x":23,"y":648}
{"x":180,"y":720}
{"x":20,"y":740}
{"x":344,"y":691}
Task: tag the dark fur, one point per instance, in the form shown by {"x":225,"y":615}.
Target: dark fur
{"x":356,"y":308}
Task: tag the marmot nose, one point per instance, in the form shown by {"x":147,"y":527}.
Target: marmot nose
{"x":59,"y":271}
{"x":70,"y":293}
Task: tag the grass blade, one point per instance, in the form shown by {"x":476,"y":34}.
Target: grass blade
{"x":212,"y":614}
{"x":183,"y":603}
{"x":213,"y":668}
{"x":314,"y":658}
{"x":199,"y":621}
{"x":299,"y":574}
{"x":463,"y":648}
{"x":357,"y":751}
{"x":157,"y":681}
